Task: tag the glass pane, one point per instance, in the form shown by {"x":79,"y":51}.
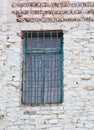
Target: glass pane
{"x":34,"y":79}
{"x":42,"y":40}
{"x":42,"y":79}
{"x":45,"y":43}
{"x":52,"y":78}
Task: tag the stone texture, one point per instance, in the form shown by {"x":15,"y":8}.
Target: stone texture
{"x":77,"y":110}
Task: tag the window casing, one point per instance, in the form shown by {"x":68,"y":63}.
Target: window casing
{"x":42,"y":67}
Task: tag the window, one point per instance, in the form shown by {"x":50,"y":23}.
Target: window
{"x":42,"y":67}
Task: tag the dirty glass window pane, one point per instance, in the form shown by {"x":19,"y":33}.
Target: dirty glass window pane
{"x":42,"y":69}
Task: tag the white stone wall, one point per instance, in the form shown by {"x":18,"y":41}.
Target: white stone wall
{"x":77,"y":110}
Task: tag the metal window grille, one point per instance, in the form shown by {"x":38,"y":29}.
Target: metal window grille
{"x":42,"y":67}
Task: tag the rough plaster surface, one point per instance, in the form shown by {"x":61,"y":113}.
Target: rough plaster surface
{"x":77,"y":110}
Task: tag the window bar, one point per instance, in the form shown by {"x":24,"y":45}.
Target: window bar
{"x":44,"y":71}
{"x":28,"y":69}
{"x":37,"y":36}
{"x":33,"y":82}
{"x":54,"y":79}
{"x":57,"y":76}
{"x":51,"y":36}
{"x":61,"y":73}
{"x":51,"y":72}
{"x":35,"y":77}
{"x":58,"y":87}
{"x":38,"y":74}
{"x":28,"y":74}
{"x":25,"y":68}
{"x":31,"y":69}
{"x":38,"y":82}
{"x":48,"y":84}
{"x":26,"y":52}
{"x":57,"y":38}
{"x":31,"y":39}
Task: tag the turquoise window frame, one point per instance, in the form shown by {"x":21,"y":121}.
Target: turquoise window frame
{"x":43,"y":52}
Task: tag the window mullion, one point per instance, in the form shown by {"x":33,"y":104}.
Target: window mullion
{"x":43,"y":71}
{"x":61,"y":70}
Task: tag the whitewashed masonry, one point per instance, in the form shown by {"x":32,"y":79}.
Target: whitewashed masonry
{"x":77,"y":110}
